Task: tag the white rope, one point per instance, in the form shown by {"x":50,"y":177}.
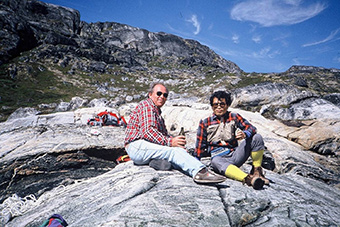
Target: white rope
{"x":17,"y":206}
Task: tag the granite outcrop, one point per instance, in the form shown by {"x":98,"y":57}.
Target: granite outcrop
{"x":49,"y":160}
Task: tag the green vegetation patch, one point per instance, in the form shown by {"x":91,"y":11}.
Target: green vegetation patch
{"x":31,"y":86}
{"x":251,"y":80}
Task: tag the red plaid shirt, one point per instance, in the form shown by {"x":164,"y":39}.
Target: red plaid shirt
{"x":146,"y":123}
{"x":203,"y":148}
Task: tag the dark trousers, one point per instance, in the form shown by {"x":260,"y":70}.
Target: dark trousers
{"x":240,"y":155}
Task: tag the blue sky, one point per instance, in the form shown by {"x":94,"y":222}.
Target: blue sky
{"x":258,"y":35}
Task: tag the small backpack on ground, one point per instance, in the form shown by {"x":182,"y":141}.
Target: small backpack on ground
{"x":55,"y":220}
{"x":106,"y":118}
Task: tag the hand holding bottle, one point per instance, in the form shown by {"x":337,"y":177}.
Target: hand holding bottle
{"x":179,"y":141}
{"x":239,"y":134}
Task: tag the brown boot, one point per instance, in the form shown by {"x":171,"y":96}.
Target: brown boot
{"x":206,"y":176}
{"x":255,"y":182}
{"x":258,"y":172}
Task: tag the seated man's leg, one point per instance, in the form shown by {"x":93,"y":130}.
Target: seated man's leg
{"x":228,"y":165}
{"x":224,"y":166}
{"x":253,"y":147}
{"x":142,"y":152}
{"x":246,"y":148}
{"x":257,"y":150}
{"x":257,"y":157}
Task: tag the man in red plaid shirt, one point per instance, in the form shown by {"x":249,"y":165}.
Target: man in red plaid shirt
{"x":217,"y":137}
{"x":146,"y":139}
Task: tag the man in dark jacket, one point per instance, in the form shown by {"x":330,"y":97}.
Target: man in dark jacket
{"x":218,"y":135}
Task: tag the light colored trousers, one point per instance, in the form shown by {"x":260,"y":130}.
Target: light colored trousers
{"x":142,"y":152}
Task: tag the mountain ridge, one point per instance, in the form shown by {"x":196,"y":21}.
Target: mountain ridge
{"x":48,"y":55}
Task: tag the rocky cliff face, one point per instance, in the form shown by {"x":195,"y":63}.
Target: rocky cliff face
{"x":61,"y":71}
{"x":40,"y":40}
{"x":48,"y":55}
{"x":30,"y":24}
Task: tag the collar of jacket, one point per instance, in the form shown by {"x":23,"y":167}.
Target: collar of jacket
{"x":149,"y":100}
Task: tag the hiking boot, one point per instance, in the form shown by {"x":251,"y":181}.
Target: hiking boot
{"x":254,"y":181}
{"x":258,"y":172}
{"x":206,"y":176}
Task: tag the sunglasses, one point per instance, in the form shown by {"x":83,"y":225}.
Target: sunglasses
{"x":159,"y":93}
{"x":221,"y":104}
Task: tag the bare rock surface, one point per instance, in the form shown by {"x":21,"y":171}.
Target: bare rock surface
{"x":55,"y":163}
{"x":132,"y":195}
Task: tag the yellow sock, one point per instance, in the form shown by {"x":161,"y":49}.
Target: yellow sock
{"x":235,"y":173}
{"x":257,"y":157}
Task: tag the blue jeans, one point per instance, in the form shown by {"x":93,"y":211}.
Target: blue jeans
{"x":142,"y":152}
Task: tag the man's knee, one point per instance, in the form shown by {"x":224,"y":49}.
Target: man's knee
{"x":219,"y":164}
{"x":258,"y":137}
{"x":258,"y":142}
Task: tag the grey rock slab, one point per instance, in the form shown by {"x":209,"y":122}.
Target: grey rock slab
{"x":131,"y":195}
{"x":138,"y":195}
{"x":28,"y":142}
{"x":268,"y":93}
{"x":290,"y":200}
{"x":313,"y":108}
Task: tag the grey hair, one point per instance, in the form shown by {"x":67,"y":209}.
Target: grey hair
{"x":152,"y":86}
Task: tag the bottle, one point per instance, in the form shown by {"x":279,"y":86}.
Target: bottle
{"x":182,"y":133}
{"x":237,"y":131}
